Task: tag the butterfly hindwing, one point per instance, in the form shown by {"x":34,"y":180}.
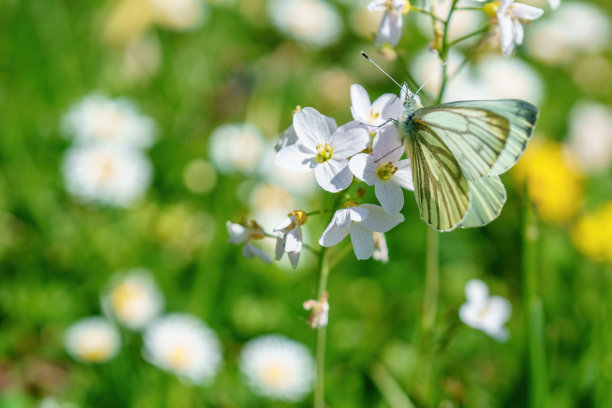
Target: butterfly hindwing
{"x":487,"y":197}
{"x":441,"y":189}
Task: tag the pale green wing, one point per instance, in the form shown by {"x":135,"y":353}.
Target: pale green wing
{"x":521,"y":117}
{"x":487,"y":197}
{"x":440,"y":188}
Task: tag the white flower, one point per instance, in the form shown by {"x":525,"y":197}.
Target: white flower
{"x":510,"y":16}
{"x":384,"y":170}
{"x":236,"y":147}
{"x":385,"y":107}
{"x":390,"y":29}
{"x":277,"y":367}
{"x":289,"y":237}
{"x":244,"y":234}
{"x":179,"y":14}
{"x":92,"y":340}
{"x":320,"y":311}
{"x":106,"y":174}
{"x":484,"y":312}
{"x":134,"y":298}
{"x":554,"y":4}
{"x":360,"y":221}
{"x":590,"y":136}
{"x":97,"y":119}
{"x":183,"y":345}
{"x":381,"y":251}
{"x":504,"y":78}
{"x":321,"y":150}
{"x":313,"y":22}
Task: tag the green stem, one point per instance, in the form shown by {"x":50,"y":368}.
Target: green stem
{"x":319,"y":399}
{"x":473,"y":34}
{"x":538,"y":394}
{"x":432,"y":282}
{"x":427,"y":12}
{"x":389,"y":388}
{"x":444,"y":52}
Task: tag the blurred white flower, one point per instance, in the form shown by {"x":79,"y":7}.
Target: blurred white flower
{"x":236,"y":147}
{"x":484,"y":312}
{"x":141,"y":58}
{"x":320,"y":311}
{"x":277,"y":367}
{"x":464,"y":22}
{"x":381,"y":251}
{"x":313,"y":22}
{"x":106,"y":174}
{"x":183,"y":345}
{"x":459,"y":87}
{"x":289,"y":237}
{"x":385,"y":107}
{"x":244,"y":234}
{"x":50,"y":402}
{"x":590,"y":136}
{"x":360,"y":221}
{"x":92,"y":340}
{"x":503,"y":77}
{"x":384,"y":170}
{"x":133,"y":299}
{"x":98,"y":119}
{"x":179,"y":14}
{"x":390,"y":30}
{"x":554,"y":4}
{"x":323,"y":151}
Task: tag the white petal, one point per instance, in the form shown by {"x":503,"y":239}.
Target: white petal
{"x":554,"y":4}
{"x":476,"y":291}
{"x":296,"y":158}
{"x":390,"y":29}
{"x":311,"y":128}
{"x":237,"y":233}
{"x":342,"y":218}
{"x":469,"y":314}
{"x":519,"y":33}
{"x":363,"y":241}
{"x":526,"y":12}
{"x":280,"y":248}
{"x":500,"y":308}
{"x":293,"y":241}
{"x":250,"y":251}
{"x":358,"y":214}
{"x":280,"y":228}
{"x":294,"y":257}
{"x":500,"y":334}
{"x":362,"y":166}
{"x":360,"y":103}
{"x":506,"y":34}
{"x":387,"y":146}
{"x":380,"y":104}
{"x":333,"y":234}
{"x":377,"y":5}
{"x":334,"y":175}
{"x":393,"y":110}
{"x":348,"y":140}
{"x":504,"y":6}
{"x":331,"y":124}
{"x":403,"y":175}
{"x":379,"y":220}
{"x":390,"y":196}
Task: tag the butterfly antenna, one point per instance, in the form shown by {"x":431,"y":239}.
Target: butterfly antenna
{"x":381,"y":70}
{"x":430,"y":78}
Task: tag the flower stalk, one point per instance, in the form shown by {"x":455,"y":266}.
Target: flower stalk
{"x":319,"y":398}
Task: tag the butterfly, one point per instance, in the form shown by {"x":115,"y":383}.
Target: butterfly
{"x":457,"y":152}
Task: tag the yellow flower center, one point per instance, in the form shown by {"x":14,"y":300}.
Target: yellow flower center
{"x":274,"y":375}
{"x":350,"y":204}
{"x":178,"y":358}
{"x":373,"y":116}
{"x":123,"y":297}
{"x":300,"y":216}
{"x":296,"y":110}
{"x":386,"y":171}
{"x":324,"y":152}
{"x":491,"y":8}
{"x":391,"y":7}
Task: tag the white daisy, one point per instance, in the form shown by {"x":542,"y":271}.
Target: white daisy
{"x":92,"y":340}
{"x":484,"y":312}
{"x":98,"y":119}
{"x":360,"y":221}
{"x":590,"y":136}
{"x":183,"y":345}
{"x":236,"y":147}
{"x":322,"y":151}
{"x":244,"y":234}
{"x":133,"y":299}
{"x":289,"y":237}
{"x":106,"y":174}
{"x":313,"y":22}
{"x":179,"y":14}
{"x":277,"y":367}
{"x":385,"y":107}
{"x":384,"y":170}
{"x":390,"y":30}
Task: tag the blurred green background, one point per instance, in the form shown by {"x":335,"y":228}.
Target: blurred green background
{"x":57,"y":254}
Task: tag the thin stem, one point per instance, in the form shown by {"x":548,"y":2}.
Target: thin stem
{"x":444,"y":52}
{"x":319,"y":399}
{"x":432,"y":282}
{"x":427,"y":12}
{"x":465,"y":37}
{"x":470,"y":8}
{"x":389,"y":388}
{"x":538,"y":394}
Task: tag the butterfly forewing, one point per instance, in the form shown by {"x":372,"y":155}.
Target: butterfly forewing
{"x":441,"y":190}
{"x":475,"y":136}
{"x":487,"y":197}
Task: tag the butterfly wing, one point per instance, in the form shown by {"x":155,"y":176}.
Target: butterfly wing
{"x":486,"y":137}
{"x":440,"y":187}
{"x":487,"y":197}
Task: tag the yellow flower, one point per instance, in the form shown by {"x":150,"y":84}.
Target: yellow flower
{"x":592,"y":234}
{"x":553,"y":182}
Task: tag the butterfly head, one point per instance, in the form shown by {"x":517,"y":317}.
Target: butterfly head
{"x":411,"y":101}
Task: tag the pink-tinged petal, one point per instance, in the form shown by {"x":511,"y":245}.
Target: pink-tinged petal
{"x":250,"y":251}
{"x":379,"y":220}
{"x":358,"y":214}
{"x":362,"y":166}
{"x":334,"y":175}
{"x":381,"y":104}
{"x":363,"y":241}
{"x":387,"y":146}
{"x":476,"y":292}
{"x":311,"y":128}
{"x":333,"y":234}
{"x":526,"y":12}
{"x":348,"y":140}
{"x":360,"y":103}
{"x":390,"y":196}
{"x":296,"y":158}
{"x":403,"y":175}
{"x":506,"y":34}
{"x":390,"y":30}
